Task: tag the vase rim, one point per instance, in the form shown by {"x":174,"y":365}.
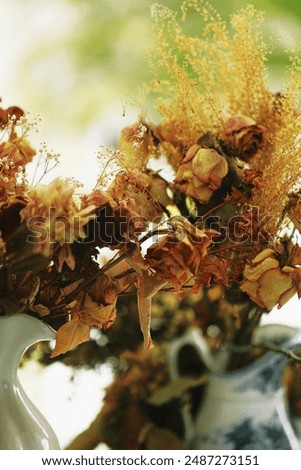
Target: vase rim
{"x":291,"y":341}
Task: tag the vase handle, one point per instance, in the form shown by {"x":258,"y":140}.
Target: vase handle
{"x":192,"y":344}
{"x":186,"y":357}
{"x":285,"y":336}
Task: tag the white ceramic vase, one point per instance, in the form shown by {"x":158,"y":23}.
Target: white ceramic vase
{"x":22,"y":426}
{"x":242,"y":409}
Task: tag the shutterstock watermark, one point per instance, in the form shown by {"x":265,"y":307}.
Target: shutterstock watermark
{"x":110,"y":228}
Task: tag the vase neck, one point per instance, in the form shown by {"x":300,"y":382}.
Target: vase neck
{"x":17,"y":333}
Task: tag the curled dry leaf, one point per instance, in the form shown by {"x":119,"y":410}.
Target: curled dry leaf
{"x":70,"y":335}
{"x":92,"y":308}
{"x":148,"y":286}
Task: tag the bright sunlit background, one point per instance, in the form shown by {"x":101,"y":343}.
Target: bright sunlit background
{"x":77,"y":64}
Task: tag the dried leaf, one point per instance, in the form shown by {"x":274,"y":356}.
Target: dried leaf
{"x":136,"y":261}
{"x":104,"y":290}
{"x":27,"y":289}
{"x":153,"y":437}
{"x":148,"y":286}
{"x":211,"y":270}
{"x":297,"y":280}
{"x":41,"y":309}
{"x":65,"y":256}
{"x":175,"y":388}
{"x":95,"y":307}
{"x":71,"y":334}
{"x":32,"y":262}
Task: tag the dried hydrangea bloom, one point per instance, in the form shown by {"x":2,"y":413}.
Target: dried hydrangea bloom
{"x":52,"y":216}
{"x":244,"y":136}
{"x":138,"y":191}
{"x":201,"y":173}
{"x":266,"y":283}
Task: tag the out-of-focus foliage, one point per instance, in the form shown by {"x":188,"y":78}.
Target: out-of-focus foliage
{"x":102,"y":56}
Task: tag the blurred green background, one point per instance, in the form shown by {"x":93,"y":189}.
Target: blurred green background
{"x":78,"y":63}
{"x":98,"y":59}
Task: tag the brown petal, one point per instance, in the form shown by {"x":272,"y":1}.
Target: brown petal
{"x":236,"y":123}
{"x":210,"y":168}
{"x":254,"y":272}
{"x":273,"y":284}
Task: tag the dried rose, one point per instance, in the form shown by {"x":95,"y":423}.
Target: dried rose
{"x":266,"y":283}
{"x":254,"y":177}
{"x":245,"y":136}
{"x":201,"y":173}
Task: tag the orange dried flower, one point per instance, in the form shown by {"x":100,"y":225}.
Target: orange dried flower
{"x":53,"y":217}
{"x":178,"y":256}
{"x":17,"y":150}
{"x":245,"y":136}
{"x":266,"y":283}
{"x":136,"y":191}
{"x":254,"y":177}
{"x":201,"y":173}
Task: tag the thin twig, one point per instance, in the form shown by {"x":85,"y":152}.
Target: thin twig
{"x":229,"y":247}
{"x":279,"y":349}
{"x":88,"y":281}
{"x":268,"y":347}
{"x":164,"y":289}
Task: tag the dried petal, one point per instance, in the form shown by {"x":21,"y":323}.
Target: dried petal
{"x":201,"y":173}
{"x":266,"y":283}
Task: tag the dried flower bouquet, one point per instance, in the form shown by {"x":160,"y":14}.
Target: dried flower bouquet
{"x":228,"y":214}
